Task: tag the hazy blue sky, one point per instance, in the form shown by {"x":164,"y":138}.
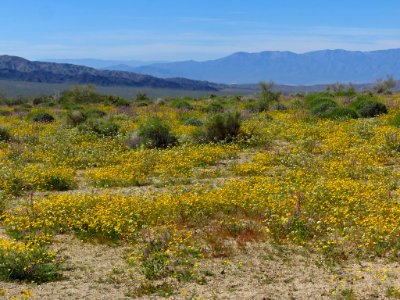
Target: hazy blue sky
{"x":198,"y":29}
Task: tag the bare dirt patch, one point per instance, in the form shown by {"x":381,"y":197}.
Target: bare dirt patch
{"x":259,"y":271}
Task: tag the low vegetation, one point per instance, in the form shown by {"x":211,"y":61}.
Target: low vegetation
{"x":186,"y":182}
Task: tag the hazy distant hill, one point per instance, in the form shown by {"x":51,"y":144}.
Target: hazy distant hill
{"x":318,"y":67}
{"x":101,"y":63}
{"x":19,"y":69}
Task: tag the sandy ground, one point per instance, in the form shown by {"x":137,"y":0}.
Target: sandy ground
{"x":259,"y":271}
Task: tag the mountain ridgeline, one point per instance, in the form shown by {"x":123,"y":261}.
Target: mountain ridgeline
{"x":317,"y":67}
{"x":20,"y":69}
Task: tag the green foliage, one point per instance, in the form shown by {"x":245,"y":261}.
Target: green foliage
{"x":41,"y":117}
{"x":223,"y":127}
{"x":81,"y":94}
{"x":392,"y":141}
{"x":101,"y":127}
{"x":75,"y":118}
{"x":28,"y":263}
{"x":95,"y":113}
{"x":385,"y":86}
{"x":5,"y":113}
{"x":268,"y":96}
{"x":395,"y":120}
{"x":214,"y":106}
{"x":182,"y":104}
{"x":156,"y":133}
{"x":57,"y":183}
{"x":350,"y":92}
{"x":116,"y":101}
{"x":140,"y":96}
{"x":323,"y":106}
{"x":5,"y":134}
{"x":313,"y":100}
{"x":340,"y":113}
{"x":193,"y":122}
{"x":368,"y":107}
{"x":149,"y":288}
{"x":3,"y":204}
{"x":279,"y":106}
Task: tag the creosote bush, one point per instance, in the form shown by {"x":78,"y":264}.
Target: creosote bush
{"x":101,"y":127}
{"x":41,"y":117}
{"x":268,"y":96}
{"x":182,"y":104}
{"x":193,"y":122}
{"x":5,"y":134}
{"x":156,"y":133}
{"x":75,"y":118}
{"x":368,"y":107}
{"x":323,"y":106}
{"x":223,"y":127}
{"x":339,"y":113}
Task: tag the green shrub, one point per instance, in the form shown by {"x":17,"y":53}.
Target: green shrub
{"x":95,"y":113}
{"x":156,"y":133}
{"x":81,"y":94}
{"x":193,"y":122}
{"x":392,"y":141}
{"x":76,"y":117}
{"x":214,"y":107}
{"x":279,"y":106}
{"x":223,"y":127}
{"x":117,"y":101}
{"x":41,"y":117}
{"x":57,"y":183}
{"x":5,"y":113}
{"x":29,"y":262}
{"x":323,"y":106}
{"x":316,"y":99}
{"x":268,"y":96}
{"x":104,"y":128}
{"x":251,"y":106}
{"x":368,"y":107}
{"x":395,"y":120}
{"x":340,"y":113}
{"x":4,"y":134}
{"x":182,"y":104}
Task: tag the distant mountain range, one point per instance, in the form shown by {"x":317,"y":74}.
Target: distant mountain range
{"x":318,"y":67}
{"x":19,"y":69}
{"x":118,"y":65}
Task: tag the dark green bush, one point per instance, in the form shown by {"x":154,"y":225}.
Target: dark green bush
{"x":368,"y":107}
{"x":182,"y":104}
{"x":95,"y":113}
{"x":81,"y":94}
{"x":316,"y":99}
{"x":4,"y":134}
{"x":32,"y":264}
{"x":5,"y":113}
{"x":156,"y":133}
{"x":323,"y":106}
{"x":214,"y":107}
{"x":193,"y":122}
{"x":104,"y":128}
{"x":142,"y":99}
{"x":340,"y":113}
{"x":41,"y":117}
{"x":223,"y":127}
